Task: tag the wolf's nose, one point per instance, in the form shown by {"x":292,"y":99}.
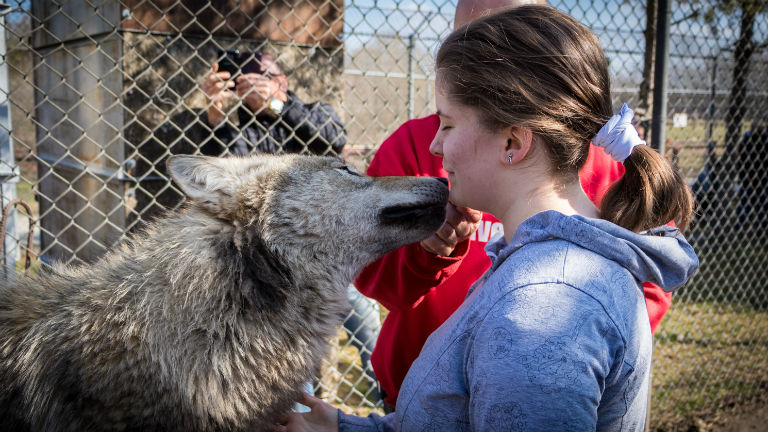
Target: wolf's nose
{"x":443,"y":179}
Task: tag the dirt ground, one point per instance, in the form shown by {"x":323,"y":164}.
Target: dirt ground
{"x":753,"y":419}
{"x":756,"y":421}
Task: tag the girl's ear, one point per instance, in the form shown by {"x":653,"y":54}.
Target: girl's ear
{"x":519,"y":142}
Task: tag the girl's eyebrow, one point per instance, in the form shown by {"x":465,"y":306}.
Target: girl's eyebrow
{"x":442,"y":114}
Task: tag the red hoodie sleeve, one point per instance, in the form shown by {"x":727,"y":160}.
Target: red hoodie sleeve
{"x":599,"y":173}
{"x":401,"y":278}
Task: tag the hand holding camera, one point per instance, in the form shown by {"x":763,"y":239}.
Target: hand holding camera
{"x":217,"y":86}
{"x":258,"y":91}
{"x":255,"y":78}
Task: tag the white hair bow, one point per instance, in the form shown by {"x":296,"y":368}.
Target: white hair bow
{"x":618,"y":137}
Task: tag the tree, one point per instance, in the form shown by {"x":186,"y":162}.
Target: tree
{"x":743,"y":48}
{"x":742,"y":54}
{"x":645,"y":106}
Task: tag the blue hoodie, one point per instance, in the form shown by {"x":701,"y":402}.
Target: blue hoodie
{"x":555,"y":336}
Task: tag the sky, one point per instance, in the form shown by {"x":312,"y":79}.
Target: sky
{"x":619,"y":25}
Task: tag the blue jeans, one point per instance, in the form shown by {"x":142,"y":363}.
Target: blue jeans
{"x":362,"y":325}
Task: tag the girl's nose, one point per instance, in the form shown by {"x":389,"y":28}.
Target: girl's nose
{"x":436,"y":146}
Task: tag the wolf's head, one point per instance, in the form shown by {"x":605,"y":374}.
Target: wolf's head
{"x":312,"y":211}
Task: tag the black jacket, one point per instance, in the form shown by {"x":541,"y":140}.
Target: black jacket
{"x":300,"y":128}
{"x":313,"y":128}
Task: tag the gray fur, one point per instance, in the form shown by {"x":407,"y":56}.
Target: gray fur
{"x":214,"y":317}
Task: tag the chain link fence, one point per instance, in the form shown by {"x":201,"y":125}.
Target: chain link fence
{"x":96,"y":95}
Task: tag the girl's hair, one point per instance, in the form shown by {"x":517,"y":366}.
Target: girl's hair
{"x":536,"y":67}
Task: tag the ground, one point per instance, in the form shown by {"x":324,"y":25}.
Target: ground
{"x":753,"y":419}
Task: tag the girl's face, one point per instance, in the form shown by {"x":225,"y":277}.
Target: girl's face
{"x":472,"y":154}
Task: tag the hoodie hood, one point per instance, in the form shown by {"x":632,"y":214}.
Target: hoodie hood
{"x":661,"y":255}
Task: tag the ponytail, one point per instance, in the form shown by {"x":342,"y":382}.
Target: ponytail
{"x":651,"y":193}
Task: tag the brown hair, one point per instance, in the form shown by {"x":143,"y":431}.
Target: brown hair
{"x":538,"y":68}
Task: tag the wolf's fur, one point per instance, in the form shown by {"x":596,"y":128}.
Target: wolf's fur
{"x":213,"y":318}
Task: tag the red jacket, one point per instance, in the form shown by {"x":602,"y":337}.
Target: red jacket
{"x":422,"y":290}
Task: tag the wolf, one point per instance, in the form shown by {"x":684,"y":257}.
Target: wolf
{"x":214,"y":317}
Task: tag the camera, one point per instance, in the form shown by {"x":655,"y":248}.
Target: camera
{"x":236,"y":62}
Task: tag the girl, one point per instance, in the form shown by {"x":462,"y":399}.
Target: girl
{"x":555,"y":336}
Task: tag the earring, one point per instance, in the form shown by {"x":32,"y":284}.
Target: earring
{"x":509,"y":158}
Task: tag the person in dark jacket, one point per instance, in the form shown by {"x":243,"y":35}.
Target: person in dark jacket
{"x":266,"y":117}
{"x":751,"y":167}
{"x":270,"y":118}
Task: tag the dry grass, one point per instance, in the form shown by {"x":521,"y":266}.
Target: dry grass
{"x":343,"y":383}
{"x":709,"y":358}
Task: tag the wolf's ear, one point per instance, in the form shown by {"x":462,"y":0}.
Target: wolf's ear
{"x":204,"y":179}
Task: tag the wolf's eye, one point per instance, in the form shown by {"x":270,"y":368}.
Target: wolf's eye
{"x":347,"y":170}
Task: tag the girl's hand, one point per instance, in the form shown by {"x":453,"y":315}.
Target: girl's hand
{"x":322,"y":418}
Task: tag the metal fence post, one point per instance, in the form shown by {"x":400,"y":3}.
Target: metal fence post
{"x":711,"y":110}
{"x":411,"y":85}
{"x":659,"y":115}
{"x":659,"y":118}
{"x":8,"y":170}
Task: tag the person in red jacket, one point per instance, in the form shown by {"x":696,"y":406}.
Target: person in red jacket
{"x":422,"y":284}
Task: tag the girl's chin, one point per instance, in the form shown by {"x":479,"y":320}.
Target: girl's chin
{"x":455,"y":198}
